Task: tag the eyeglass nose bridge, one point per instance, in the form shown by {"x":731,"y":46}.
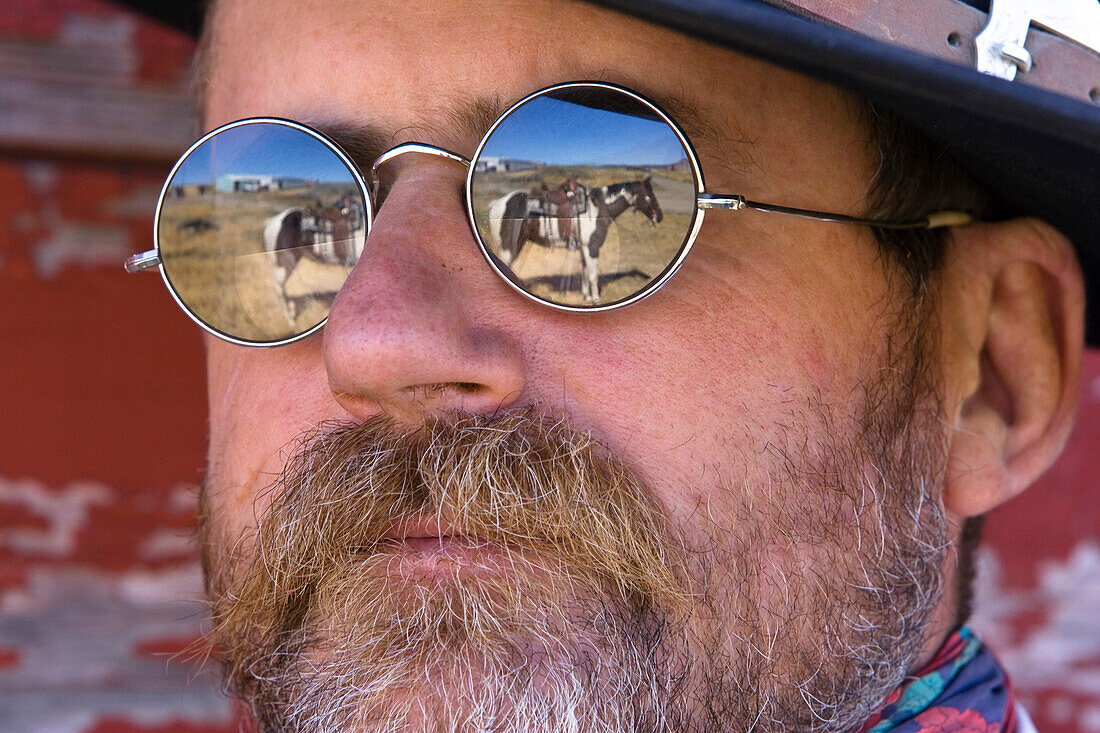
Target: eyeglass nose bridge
{"x":405,"y":149}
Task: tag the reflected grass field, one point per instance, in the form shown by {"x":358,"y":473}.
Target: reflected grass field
{"x":213,"y":250}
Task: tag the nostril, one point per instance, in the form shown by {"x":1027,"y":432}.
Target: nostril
{"x":440,"y":390}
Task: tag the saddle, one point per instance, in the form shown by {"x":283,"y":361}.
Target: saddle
{"x":566,"y":205}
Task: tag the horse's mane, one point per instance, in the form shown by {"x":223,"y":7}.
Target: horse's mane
{"x":632,"y":186}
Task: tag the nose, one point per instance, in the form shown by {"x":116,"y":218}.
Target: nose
{"x":412,"y":331}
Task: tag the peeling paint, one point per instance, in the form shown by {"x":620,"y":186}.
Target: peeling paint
{"x":137,"y":203}
{"x":65,"y":512}
{"x":185,"y":498}
{"x":1047,"y":636}
{"x":95,"y":622}
{"x":40,"y":175}
{"x":109,"y":37}
{"x":24,"y":221}
{"x":180,"y":584}
{"x":1089,"y":720}
{"x":168,"y":543}
{"x":86,"y":245}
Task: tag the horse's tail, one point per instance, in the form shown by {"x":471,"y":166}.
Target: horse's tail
{"x":496,"y":221}
{"x":512,"y":215}
{"x":274,"y":225}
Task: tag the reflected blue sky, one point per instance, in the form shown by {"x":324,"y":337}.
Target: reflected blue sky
{"x":558,"y":132}
{"x":262,"y":149}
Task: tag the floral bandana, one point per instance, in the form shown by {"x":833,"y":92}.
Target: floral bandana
{"x":962,"y":690}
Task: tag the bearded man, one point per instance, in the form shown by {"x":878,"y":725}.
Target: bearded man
{"x":743,"y":497}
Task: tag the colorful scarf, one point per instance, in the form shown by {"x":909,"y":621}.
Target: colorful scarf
{"x":962,"y":690}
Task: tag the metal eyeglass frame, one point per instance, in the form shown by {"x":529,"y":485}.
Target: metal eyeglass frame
{"x":703,"y":202}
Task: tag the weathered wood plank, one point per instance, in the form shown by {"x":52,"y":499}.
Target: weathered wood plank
{"x":60,"y":99}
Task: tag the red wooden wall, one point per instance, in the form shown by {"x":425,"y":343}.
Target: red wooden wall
{"x":104,"y":417}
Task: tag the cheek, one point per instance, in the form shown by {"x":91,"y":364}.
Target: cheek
{"x":261,"y":401}
{"x":705,"y":386}
{"x":693,"y":409}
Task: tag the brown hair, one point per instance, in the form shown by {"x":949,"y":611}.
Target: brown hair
{"x":915,"y":177}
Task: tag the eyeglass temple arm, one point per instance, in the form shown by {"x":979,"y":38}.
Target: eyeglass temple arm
{"x":143,"y":261}
{"x":736,"y":203}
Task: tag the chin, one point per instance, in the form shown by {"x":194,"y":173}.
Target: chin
{"x":448,"y":648}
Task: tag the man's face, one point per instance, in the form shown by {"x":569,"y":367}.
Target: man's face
{"x":750,"y":536}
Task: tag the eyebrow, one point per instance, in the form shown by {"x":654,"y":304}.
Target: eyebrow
{"x":362,"y":141}
{"x":460,"y":119}
{"x":718,"y":138}
{"x":469,"y":118}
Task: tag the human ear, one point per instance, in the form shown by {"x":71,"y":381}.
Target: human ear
{"x":1012,"y":310}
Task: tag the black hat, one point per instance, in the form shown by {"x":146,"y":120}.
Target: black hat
{"x":1026,"y":126}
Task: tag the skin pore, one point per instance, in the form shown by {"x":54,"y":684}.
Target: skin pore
{"x":778,"y":422}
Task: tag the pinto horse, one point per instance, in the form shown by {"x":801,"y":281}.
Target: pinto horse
{"x":516,"y":220}
{"x":325,"y":235}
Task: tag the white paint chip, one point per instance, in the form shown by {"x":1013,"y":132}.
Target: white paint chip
{"x":108,"y":41}
{"x":1094,"y":389}
{"x":1060,"y":710}
{"x":185,"y":498}
{"x":1090,"y":719}
{"x":64,"y":510}
{"x":40,"y":175}
{"x":167,"y":544}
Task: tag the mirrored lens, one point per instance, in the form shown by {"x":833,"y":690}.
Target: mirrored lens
{"x":259,"y":227}
{"x":584,"y":196}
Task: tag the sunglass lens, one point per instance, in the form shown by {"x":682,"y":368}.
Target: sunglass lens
{"x":259,"y":227}
{"x":584,"y":196}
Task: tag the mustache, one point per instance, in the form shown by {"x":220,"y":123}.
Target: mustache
{"x":516,"y":480}
{"x":310,"y":619}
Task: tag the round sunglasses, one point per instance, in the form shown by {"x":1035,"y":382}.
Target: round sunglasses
{"x":583,"y":196}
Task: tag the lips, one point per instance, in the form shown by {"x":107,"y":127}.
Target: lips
{"x":445,"y":543}
{"x":418,"y":531}
{"x":426,"y":540}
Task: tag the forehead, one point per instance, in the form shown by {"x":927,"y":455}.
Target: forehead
{"x":419,"y":69}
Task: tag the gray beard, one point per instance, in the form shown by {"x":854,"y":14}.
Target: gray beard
{"x":801,"y":612}
{"x":434,"y":666}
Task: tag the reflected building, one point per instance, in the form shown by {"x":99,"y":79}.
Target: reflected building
{"x":490,"y":164}
{"x":245,"y":183}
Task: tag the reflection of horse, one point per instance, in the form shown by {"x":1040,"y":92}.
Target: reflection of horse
{"x":515,"y":221}
{"x":326,"y":235}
